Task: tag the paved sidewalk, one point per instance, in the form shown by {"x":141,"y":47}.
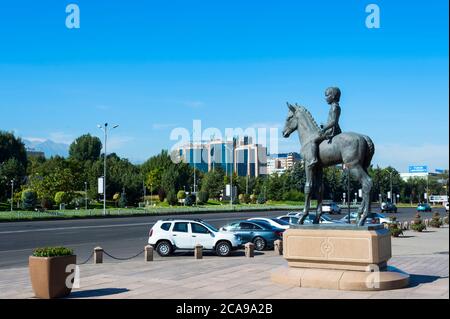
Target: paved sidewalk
{"x":423,"y":255}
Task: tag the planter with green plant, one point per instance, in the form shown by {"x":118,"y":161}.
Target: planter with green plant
{"x":417,"y":224}
{"x":436,"y":221}
{"x":394,"y":227}
{"x":49,"y":272}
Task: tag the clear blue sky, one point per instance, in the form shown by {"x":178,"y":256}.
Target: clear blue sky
{"x":151,"y":66}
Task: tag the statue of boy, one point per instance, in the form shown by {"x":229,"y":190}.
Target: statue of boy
{"x":331,"y":129}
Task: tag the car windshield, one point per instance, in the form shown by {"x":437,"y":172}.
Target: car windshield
{"x":280,"y":221}
{"x":214,"y":229}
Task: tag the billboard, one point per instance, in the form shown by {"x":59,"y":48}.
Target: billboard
{"x":418,"y":169}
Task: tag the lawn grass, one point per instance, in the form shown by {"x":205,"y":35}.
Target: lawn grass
{"x":128,"y":212}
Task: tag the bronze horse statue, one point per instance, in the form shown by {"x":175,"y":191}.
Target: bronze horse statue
{"x":353,"y":150}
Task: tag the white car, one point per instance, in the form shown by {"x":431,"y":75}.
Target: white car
{"x":166,"y":236}
{"x":279,"y":223}
{"x":446,"y":206}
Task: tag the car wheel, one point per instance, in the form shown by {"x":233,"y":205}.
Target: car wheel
{"x":164,"y":248}
{"x":223,"y":249}
{"x":260,"y":243}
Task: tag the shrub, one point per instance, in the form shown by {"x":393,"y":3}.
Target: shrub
{"x":446,"y":220}
{"x":436,"y":221}
{"x":172,"y":198}
{"x":294,"y":195}
{"x":123,"y":201}
{"x":261,"y":199}
{"x":47,"y":203}
{"x":181,"y":195}
{"x":190,"y":200}
{"x":29,"y":198}
{"x":418,"y":224}
{"x":395,"y":230}
{"x":253,"y":198}
{"x":161,"y":195}
{"x":62,"y":198}
{"x":203,"y":197}
{"x":52,"y":252}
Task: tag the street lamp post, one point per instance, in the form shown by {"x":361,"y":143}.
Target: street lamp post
{"x":104,"y":128}
{"x":151,"y":194}
{"x":390,"y":178}
{"x":12,"y":195}
{"x":85,"y":196}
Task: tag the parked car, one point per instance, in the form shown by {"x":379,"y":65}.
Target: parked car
{"x":167,"y":236}
{"x":324,"y":219}
{"x":331,"y":208}
{"x":260,"y":233}
{"x":446,"y":206}
{"x":424,"y":207}
{"x":372,"y":218}
{"x":388,"y":207}
{"x":275,"y":222}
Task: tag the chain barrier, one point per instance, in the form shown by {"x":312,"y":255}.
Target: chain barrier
{"x":123,"y":259}
{"x":87,"y":260}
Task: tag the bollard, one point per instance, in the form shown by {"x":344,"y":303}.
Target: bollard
{"x":198,"y":252}
{"x":148,"y":253}
{"x":98,"y":255}
{"x":249,"y":250}
{"x":278,"y":246}
{"x":405,"y":225}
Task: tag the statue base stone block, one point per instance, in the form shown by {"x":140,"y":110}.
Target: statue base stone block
{"x":339,"y":256}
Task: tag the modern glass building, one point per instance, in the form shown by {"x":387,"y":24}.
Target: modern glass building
{"x":238,"y":156}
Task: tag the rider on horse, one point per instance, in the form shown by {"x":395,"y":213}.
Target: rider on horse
{"x":332,"y":96}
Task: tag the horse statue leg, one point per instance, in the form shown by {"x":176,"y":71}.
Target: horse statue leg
{"x":367,"y":184}
{"x":319,"y":182}
{"x":308,"y":186}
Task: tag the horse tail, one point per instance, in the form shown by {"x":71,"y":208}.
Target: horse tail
{"x":369,"y":153}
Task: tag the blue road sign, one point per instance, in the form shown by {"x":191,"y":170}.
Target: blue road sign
{"x":439,"y":170}
{"x":418,"y":169}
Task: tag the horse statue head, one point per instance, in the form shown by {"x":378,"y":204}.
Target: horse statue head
{"x":299,"y":118}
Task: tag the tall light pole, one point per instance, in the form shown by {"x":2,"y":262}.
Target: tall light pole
{"x":12,"y":195}
{"x":85,"y":196}
{"x":390,"y":177}
{"x":151,"y":194}
{"x":104,"y":128}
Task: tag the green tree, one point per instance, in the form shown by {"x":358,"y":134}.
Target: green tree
{"x":62,"y":198}
{"x":85,"y":148}
{"x":123,"y":201}
{"x":172,"y":198}
{"x":29,"y":199}
{"x":212,"y":183}
{"x":203,"y":197}
{"x":13,"y":162}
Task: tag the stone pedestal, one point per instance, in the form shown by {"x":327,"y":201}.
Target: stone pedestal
{"x":338,"y":256}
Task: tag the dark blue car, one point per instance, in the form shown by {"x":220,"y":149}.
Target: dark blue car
{"x":260,"y":233}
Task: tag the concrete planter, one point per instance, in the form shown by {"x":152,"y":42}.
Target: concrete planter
{"x":48,"y":276}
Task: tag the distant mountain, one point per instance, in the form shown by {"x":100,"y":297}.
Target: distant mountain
{"x":49,"y":147}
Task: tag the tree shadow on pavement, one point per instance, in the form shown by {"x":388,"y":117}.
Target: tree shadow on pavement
{"x":97,"y":293}
{"x":416,"y":280}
